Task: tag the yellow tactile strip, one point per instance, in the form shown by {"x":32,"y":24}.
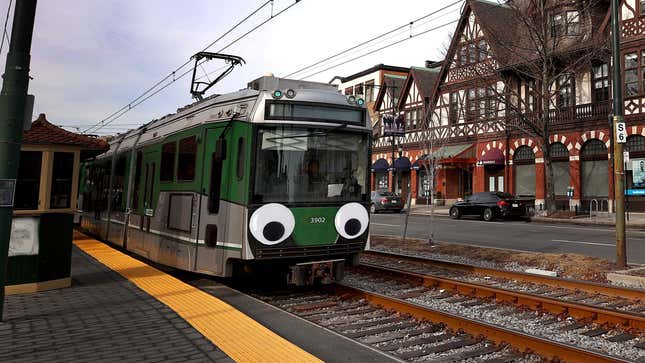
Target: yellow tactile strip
{"x":239,"y":336}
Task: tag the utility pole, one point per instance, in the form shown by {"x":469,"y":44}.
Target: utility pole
{"x":620,"y":137}
{"x":12,"y":114}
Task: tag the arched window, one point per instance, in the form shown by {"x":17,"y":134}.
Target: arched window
{"x":594,"y":169}
{"x":560,"y":166}
{"x":524,"y":163}
{"x":635,"y":144}
{"x":594,"y":149}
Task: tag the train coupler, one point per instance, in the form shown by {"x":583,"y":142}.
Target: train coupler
{"x":316,"y":272}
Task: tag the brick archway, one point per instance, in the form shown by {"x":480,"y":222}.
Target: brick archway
{"x":636,"y":130}
{"x":588,"y":135}
{"x":564,"y":140}
{"x":525,"y":141}
{"x":493,"y":145}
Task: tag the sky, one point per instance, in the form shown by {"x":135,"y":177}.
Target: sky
{"x":91,"y":57}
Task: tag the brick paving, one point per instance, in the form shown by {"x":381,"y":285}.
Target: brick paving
{"x":102,"y":317}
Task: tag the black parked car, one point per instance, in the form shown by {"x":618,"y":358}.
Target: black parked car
{"x":385,"y":200}
{"x":488,"y":205}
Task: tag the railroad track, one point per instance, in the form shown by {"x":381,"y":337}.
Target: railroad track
{"x":414,"y":316}
{"x":551,"y":336}
{"x":581,"y":300}
{"x":400,"y":335}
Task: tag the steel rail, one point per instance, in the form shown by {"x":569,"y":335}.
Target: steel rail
{"x":537,"y":302}
{"x":559,"y":282}
{"x":551,"y":350}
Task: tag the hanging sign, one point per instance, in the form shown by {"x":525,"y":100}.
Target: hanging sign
{"x":7,"y":191}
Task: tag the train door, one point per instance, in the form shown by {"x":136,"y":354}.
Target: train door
{"x":150,"y":161}
{"x":212,"y":226}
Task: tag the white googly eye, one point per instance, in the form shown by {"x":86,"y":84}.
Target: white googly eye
{"x":272,"y":223}
{"x":351,"y":220}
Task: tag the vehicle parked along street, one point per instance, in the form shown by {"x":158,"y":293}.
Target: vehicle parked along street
{"x":385,"y":200}
{"x":488,"y":205}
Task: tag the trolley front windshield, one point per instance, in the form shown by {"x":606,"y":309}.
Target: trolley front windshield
{"x":300,"y":165}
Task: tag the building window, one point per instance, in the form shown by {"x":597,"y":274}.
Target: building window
{"x":453,"y":109}
{"x":369,"y":91}
{"x":63,"y":169}
{"x":186,"y":162}
{"x":560,"y":166}
{"x":594,"y":169}
{"x":564,"y":92}
{"x":481,"y":103}
{"x":600,"y":82}
{"x":482,"y":48}
{"x":358,"y":89}
{"x":557,"y":25}
{"x":567,"y":23}
{"x":524,"y":164}
{"x":349,"y":91}
{"x":642,"y":3}
{"x":573,"y":23}
{"x":631,"y":64}
{"x":168,"y":152}
{"x":28,"y":183}
{"x":463,"y":56}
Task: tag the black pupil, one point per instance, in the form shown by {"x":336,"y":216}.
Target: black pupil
{"x":273,"y":231}
{"x":352,"y":227}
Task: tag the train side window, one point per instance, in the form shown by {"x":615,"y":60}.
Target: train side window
{"x":241,"y":153}
{"x":168,"y":151}
{"x":137,"y":180}
{"x":186,"y":162}
{"x":215,"y":184}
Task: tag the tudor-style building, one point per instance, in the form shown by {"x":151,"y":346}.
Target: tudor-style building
{"x":497,"y":154}
{"x":396,"y":159}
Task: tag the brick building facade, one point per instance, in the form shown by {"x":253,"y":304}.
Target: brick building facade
{"x":474,"y":137}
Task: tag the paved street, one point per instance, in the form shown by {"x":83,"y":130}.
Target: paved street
{"x":519,"y":235}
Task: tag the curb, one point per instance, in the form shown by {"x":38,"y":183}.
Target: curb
{"x":547,"y":220}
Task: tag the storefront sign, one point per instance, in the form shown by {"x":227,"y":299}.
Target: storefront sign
{"x":7,"y":191}
{"x":635,"y":192}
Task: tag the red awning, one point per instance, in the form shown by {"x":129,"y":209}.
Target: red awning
{"x":492,"y":157}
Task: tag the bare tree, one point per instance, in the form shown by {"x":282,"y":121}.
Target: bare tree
{"x":526,"y":64}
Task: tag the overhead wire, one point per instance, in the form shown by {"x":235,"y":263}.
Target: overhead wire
{"x":173,"y":73}
{"x":400,"y":28}
{"x":379,"y":49}
{"x":124,"y":110}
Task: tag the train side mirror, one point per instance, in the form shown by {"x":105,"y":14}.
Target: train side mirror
{"x":220,"y":150}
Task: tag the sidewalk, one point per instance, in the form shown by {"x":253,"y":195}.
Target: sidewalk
{"x":102,"y":317}
{"x":636,"y":220}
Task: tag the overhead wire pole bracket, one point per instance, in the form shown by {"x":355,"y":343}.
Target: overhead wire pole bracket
{"x":195,"y":84}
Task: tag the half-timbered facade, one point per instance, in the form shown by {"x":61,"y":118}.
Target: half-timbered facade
{"x":485,"y":96}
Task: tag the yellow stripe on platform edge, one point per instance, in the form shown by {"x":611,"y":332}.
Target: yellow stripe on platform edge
{"x":236,"y":334}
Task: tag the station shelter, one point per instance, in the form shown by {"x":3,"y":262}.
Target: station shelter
{"x":44,"y":206}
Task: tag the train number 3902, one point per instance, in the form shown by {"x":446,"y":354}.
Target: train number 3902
{"x":317,"y":220}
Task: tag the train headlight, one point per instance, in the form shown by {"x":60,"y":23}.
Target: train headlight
{"x":351,"y":100}
{"x":351,"y":220}
{"x":277,"y":94}
{"x":290,"y":93}
{"x":360,"y":102}
{"x":272,"y":223}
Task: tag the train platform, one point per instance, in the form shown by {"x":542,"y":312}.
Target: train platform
{"x":122,"y":309}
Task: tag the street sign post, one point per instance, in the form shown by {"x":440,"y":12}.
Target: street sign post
{"x":621,"y":132}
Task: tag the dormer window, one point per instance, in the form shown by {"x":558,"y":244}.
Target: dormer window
{"x":565,"y":23}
